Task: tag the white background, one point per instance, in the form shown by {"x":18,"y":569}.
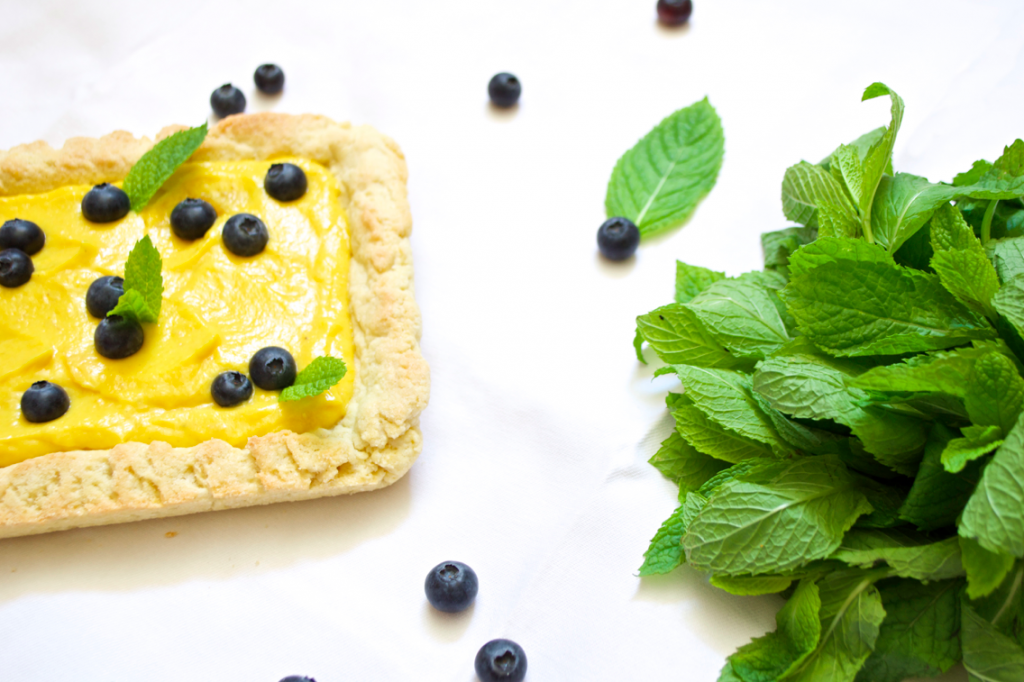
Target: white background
{"x":541,"y":420}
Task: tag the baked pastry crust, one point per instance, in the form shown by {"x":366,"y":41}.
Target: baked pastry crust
{"x":371,"y":447}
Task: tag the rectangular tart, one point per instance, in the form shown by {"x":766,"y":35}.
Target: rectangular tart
{"x":373,"y":444}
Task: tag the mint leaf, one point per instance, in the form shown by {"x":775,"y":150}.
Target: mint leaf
{"x":978,"y":441}
{"x":989,"y":655}
{"x":158,"y":164}
{"x":967,"y":178}
{"x":692,"y":279}
{"x":740,"y":314}
{"x":961,"y":263}
{"x":143,"y":283}
{"x":862,"y":307}
{"x":807,"y":188}
{"x":680,"y":462}
{"x":937,"y":496}
{"x":902,"y":205}
{"x":726,"y":397}
{"x":920,"y":634}
{"x":659,"y":182}
{"x":862,"y":144}
{"x":776,"y":519}
{"x":665,"y":552}
{"x":750,"y":586}
{"x":679,"y":337}
{"x":994,"y":515}
{"x":862,"y":171}
{"x":806,"y":386}
{"x":1009,"y":301}
{"x":1007,"y":255}
{"x":851,"y":615}
{"x":995,"y":392}
{"x":909,"y":555}
{"x":1004,"y":180}
{"x":797,"y":633}
{"x":710,"y":437}
{"x":939,"y":372}
{"x":316,"y":378}
{"x":985,"y":570}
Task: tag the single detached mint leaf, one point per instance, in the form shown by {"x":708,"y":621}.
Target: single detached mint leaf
{"x":659,"y":182}
{"x":143,"y":283}
{"x":151,"y":171}
{"x":317,"y":377}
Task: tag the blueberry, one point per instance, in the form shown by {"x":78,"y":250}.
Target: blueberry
{"x":297,"y":678}
{"x":272,"y":368}
{"x":617,"y":238}
{"x":245,"y":235}
{"x":103,"y":294}
{"x":269,"y":79}
{"x":105,"y":203}
{"x":192,"y":218}
{"x":15,"y":268}
{"x":118,"y":337}
{"x":501,"y":660}
{"x":231,"y":388}
{"x":451,"y":586}
{"x":44,"y":402}
{"x":674,"y":12}
{"x":504,"y":89}
{"x":22,"y":234}
{"x":227,"y":100}
{"x":285,"y":182}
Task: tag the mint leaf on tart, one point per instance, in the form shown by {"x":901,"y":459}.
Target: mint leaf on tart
{"x":316,"y":378}
{"x":143,"y":283}
{"x":152,"y":170}
{"x":659,"y":182}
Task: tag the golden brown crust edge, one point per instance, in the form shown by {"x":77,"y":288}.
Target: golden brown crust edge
{"x":379,"y":437}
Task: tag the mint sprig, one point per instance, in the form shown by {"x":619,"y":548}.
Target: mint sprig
{"x":152,"y":170}
{"x":143,"y":283}
{"x":316,"y":378}
{"x":850,"y":421}
{"x":659,"y":182}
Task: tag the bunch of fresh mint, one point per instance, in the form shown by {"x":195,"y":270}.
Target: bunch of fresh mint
{"x":848,"y":432}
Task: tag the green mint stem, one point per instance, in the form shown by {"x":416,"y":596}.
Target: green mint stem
{"x":869,"y":237}
{"x":986,"y":223}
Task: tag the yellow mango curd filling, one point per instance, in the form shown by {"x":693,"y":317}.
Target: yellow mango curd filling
{"x":218,"y":309}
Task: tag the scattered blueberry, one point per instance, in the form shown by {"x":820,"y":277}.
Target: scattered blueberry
{"x":269,"y":79}
{"x":15,"y":268}
{"x":451,"y":586}
{"x":22,"y":234}
{"x":285,"y":182}
{"x":118,"y":337}
{"x":272,"y":368}
{"x":245,"y":235}
{"x":501,"y":660}
{"x":297,"y":678}
{"x":44,"y":402}
{"x":227,"y":100}
{"x":674,"y":12}
{"x":103,"y":294}
{"x":504,"y":89}
{"x":617,"y":238}
{"x":105,"y":203}
{"x":192,"y":218}
{"x":231,"y":388}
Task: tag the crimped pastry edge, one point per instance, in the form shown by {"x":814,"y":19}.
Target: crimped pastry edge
{"x":373,"y":445}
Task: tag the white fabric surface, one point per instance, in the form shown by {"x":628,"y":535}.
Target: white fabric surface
{"x":540,"y":424}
